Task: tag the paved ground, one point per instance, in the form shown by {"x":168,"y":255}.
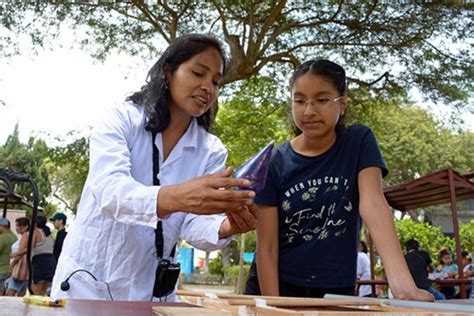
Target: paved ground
{"x":209,"y":288}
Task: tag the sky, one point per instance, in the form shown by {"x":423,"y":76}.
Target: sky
{"x":63,"y":89}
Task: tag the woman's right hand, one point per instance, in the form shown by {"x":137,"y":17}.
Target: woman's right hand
{"x":205,"y":195}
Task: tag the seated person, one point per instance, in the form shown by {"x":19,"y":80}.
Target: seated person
{"x":468,"y":273}
{"x":449,"y":270}
{"x":419,"y":263}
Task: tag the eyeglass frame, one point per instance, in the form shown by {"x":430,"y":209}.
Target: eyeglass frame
{"x":314,"y":103}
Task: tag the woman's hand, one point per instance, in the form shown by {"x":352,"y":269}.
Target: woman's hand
{"x":204,"y":195}
{"x":239,"y":221}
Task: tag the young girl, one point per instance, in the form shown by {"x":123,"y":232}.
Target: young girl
{"x":319,"y":185}
{"x":449,"y":270}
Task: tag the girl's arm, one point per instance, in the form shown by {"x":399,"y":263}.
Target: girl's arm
{"x":377,"y":216}
{"x":267,"y":250}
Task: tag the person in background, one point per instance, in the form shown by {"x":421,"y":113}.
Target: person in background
{"x":363,"y":269}
{"x":59,"y":223}
{"x":15,"y":286}
{"x":468,"y":272}
{"x":420,"y":265}
{"x":42,"y":259}
{"x":320,"y":185}
{"x":7,"y":239}
{"x":449,"y":269}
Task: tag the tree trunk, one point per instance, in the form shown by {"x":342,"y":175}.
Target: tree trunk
{"x":225,"y":257}
{"x":206,"y":267}
{"x":240,"y":280}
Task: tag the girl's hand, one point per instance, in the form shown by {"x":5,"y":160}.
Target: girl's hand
{"x":452,"y":274}
{"x":415,"y":295}
{"x":239,"y":221}
{"x":205,"y":195}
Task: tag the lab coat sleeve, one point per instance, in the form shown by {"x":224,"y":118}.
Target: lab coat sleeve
{"x":202,"y":231}
{"x":116,"y":192}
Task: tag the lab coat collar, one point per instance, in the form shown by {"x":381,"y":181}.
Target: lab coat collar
{"x":188,"y":140}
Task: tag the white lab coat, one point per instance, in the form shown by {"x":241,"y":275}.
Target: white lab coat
{"x":113,"y":236}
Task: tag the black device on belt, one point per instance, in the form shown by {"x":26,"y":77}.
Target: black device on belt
{"x":167,"y":272}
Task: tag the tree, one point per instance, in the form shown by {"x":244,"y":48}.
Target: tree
{"x":466,"y":233}
{"x":68,"y":167}
{"x":388,"y":47}
{"x":413,"y":143}
{"x":28,"y":159}
{"x":251,"y":119}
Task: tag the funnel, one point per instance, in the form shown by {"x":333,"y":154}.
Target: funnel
{"x":255,"y":169}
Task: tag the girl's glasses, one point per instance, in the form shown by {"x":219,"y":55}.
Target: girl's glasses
{"x":321,"y":103}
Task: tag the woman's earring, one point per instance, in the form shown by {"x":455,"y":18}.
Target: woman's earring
{"x":165,"y":85}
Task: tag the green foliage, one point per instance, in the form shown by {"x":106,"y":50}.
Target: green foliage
{"x":431,"y":238}
{"x":250,"y":241}
{"x":68,"y":167}
{"x":63,"y":169}
{"x":231,"y":273}
{"x":429,"y":43}
{"x":28,"y":159}
{"x":413,"y":143}
{"x":466,"y":234}
{"x":215,"y":265}
{"x":251,"y":119}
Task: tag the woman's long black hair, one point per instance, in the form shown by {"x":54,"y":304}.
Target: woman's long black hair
{"x":154,"y":96}
{"x":41,"y":223}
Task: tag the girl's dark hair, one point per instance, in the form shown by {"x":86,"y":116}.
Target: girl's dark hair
{"x":154,"y":96}
{"x":365,"y":249}
{"x":443,"y":253}
{"x":41,"y":223}
{"x":22,"y":221}
{"x":332,"y":71}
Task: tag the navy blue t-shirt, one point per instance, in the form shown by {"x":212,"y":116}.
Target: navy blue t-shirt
{"x":318,"y":208}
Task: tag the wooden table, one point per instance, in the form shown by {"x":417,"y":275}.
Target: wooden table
{"x":15,"y":306}
{"x":445,"y":282}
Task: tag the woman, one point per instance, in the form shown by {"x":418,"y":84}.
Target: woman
{"x":42,"y":259}
{"x":154,"y":164}
{"x":18,"y":287}
{"x":319,"y":185}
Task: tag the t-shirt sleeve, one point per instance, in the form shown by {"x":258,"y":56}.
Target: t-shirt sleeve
{"x":269,"y":194}
{"x":370,"y":155}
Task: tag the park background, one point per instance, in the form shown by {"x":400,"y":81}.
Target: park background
{"x":410,"y":79}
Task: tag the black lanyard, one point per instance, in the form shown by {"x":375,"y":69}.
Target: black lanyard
{"x":159,"y":241}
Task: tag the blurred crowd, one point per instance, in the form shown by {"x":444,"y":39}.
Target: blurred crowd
{"x":14,"y":272}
